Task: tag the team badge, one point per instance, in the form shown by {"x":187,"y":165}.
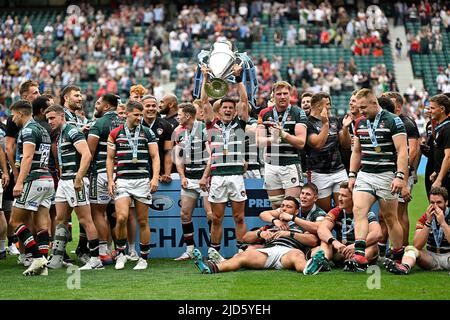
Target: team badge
{"x":381,"y":124}
{"x":243,"y":193}
{"x":160,"y":131}
{"x":294,"y":180}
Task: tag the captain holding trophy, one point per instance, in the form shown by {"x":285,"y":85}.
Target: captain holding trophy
{"x":225,"y":136}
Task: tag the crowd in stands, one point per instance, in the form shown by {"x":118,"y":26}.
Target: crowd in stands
{"x":434,"y":21}
{"x":94,"y":46}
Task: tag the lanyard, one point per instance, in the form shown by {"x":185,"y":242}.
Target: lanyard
{"x":285,"y":115}
{"x":59,"y":146}
{"x":439,"y":127}
{"x":189,"y":138}
{"x":73,"y":118}
{"x":151,"y":124}
{"x":344,"y":228}
{"x":310,"y":212}
{"x":226,"y":132}
{"x":438,"y":233}
{"x":372,"y":130}
{"x":133,"y":141}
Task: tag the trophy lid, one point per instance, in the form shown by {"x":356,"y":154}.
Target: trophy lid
{"x":221,"y":58}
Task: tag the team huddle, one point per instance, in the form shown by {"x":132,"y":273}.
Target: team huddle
{"x":322,"y":176}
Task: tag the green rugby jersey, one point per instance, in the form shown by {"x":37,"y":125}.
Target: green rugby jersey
{"x":196,"y":157}
{"x":282,"y":153}
{"x":227,"y":161}
{"x":316,"y":214}
{"x":69,"y":158}
{"x":384,"y":159}
{"x":101,"y":129}
{"x":35,"y":134}
{"x":73,"y":119}
{"x":126,"y":168}
{"x":252,"y":151}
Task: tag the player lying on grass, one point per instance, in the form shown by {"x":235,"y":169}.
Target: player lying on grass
{"x":284,"y":247}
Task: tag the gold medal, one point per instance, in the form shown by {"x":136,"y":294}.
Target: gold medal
{"x":438,"y":250}
{"x":135,"y":160}
{"x":378,"y":149}
{"x":225,"y":151}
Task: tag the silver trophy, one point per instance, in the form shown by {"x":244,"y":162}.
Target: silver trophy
{"x":220,"y":61}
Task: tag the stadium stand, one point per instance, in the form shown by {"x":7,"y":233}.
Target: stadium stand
{"x":111,"y":49}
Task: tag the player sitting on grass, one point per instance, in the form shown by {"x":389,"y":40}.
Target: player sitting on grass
{"x":341,"y":222}
{"x":432,"y":231}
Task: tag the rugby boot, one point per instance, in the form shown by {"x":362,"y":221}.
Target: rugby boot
{"x":396,"y":268}
{"x":315,"y":264}
{"x":357,"y":263}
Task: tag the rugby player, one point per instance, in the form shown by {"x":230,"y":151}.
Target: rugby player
{"x":71,"y":100}
{"x":340,"y":221}
{"x":169,"y":107}
{"x":133,"y":147}
{"x":107,"y":120}
{"x":309,"y":214}
{"x":137,"y":92}
{"x":190,"y":159}
{"x":306,"y":102}
{"x":325,"y":135}
{"x":354,"y":112}
{"x":440,"y":112}
{"x":380,"y":155}
{"x":226,"y":166}
{"x":4,"y":182}
{"x":413,"y":136}
{"x":72,"y":194}
{"x":281,"y":249}
{"x":432,"y":233}
{"x":282,"y":131}
{"x":34,"y":186}
{"x":29,"y":90}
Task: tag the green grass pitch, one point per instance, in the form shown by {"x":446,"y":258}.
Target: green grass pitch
{"x":169,"y":280}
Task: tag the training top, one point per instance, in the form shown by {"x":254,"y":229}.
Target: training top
{"x":328,"y":158}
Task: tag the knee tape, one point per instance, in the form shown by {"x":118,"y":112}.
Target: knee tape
{"x":276,"y":199}
{"x":412,"y":252}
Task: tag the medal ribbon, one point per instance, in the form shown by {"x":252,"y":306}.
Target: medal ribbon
{"x":438,"y":234}
{"x":344,"y":228}
{"x":226,"y":132}
{"x":59,"y":147}
{"x":133,"y":141}
{"x":189,"y":138}
{"x":372,"y":130}
{"x":439,"y":127}
{"x":285,"y":115}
